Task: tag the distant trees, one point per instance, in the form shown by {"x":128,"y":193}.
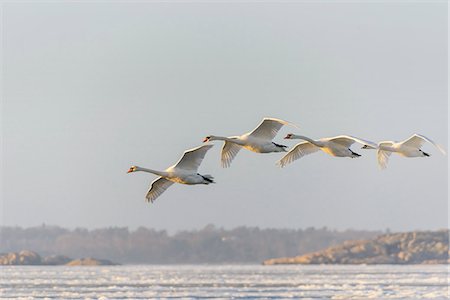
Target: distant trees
{"x":149,"y":246}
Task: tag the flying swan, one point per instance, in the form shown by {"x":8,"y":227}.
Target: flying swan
{"x":259,"y":140}
{"x":338,"y":146}
{"x":408,"y":148}
{"x":184,"y":171}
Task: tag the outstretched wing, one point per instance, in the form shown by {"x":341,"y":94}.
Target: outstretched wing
{"x":383,"y":158}
{"x":417,"y":140}
{"x":269,"y":128}
{"x":192,"y":158}
{"x":299,"y":150}
{"x":347,"y":141}
{"x":229,"y":151}
{"x":159,"y":185}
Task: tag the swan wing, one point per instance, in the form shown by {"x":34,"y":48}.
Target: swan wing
{"x":417,"y":140}
{"x":347,"y":141}
{"x":299,"y":150}
{"x":192,"y":158}
{"x":383,"y":158}
{"x":269,"y":128}
{"x":229,"y":151}
{"x":158,"y":186}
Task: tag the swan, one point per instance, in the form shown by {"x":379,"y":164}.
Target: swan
{"x":407,"y":148}
{"x":184,"y":171}
{"x":258,"y":140}
{"x":336,"y":146}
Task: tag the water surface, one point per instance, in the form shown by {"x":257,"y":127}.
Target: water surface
{"x":224,"y":282}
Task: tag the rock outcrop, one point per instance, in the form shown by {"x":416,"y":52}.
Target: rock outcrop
{"x":89,"y":261}
{"x":421,"y":247}
{"x":31,"y":258}
{"x":24,"y":257}
{"x":56,"y":260}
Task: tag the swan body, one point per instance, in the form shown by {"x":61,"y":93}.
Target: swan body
{"x":338,"y":146}
{"x":258,"y":140}
{"x":184,"y":171}
{"x":407,"y":148}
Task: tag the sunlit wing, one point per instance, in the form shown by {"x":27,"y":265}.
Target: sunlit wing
{"x":383,"y":155}
{"x":192,"y":158}
{"x":347,"y":141}
{"x":417,"y":141}
{"x":269,"y":128}
{"x":383,"y":158}
{"x":299,"y":150}
{"x":158,"y":186}
{"x":229,"y":151}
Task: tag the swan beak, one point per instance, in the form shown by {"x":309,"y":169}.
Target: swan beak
{"x":205,"y":140}
{"x":130,"y":170}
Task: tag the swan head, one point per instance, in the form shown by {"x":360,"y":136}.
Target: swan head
{"x":289,"y":136}
{"x":216,"y":138}
{"x":132,"y":169}
{"x":209,"y":138}
{"x":367,"y":147}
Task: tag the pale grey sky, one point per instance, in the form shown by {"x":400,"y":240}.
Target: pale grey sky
{"x":92,"y":88}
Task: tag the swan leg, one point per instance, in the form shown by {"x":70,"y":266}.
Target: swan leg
{"x":282,"y":147}
{"x":208,"y":178}
{"x":425,"y":154}
{"x":354,"y":154}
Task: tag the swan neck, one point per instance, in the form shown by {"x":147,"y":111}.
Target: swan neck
{"x":220,"y":138}
{"x":387,"y":148}
{"x":160,"y":173}
{"x":302,"y":137}
{"x":227,"y":139}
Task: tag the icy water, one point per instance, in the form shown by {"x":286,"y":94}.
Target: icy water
{"x":225,"y":282}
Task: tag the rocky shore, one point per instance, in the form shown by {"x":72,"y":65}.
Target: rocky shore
{"x":31,"y":258}
{"x":419,"y":247}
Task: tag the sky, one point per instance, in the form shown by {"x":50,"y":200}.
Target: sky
{"x":89,"y":89}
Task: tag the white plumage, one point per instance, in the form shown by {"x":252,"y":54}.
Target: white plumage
{"x":407,"y":148}
{"x":184,"y":171}
{"x":259,"y":140}
{"x":338,"y":146}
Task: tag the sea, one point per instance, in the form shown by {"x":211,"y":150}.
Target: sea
{"x":225,"y":282}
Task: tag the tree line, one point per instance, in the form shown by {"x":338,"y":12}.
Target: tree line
{"x":149,"y":246}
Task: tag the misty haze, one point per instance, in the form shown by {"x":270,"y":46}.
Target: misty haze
{"x":91,"y":90}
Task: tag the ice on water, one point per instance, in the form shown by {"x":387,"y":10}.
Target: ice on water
{"x":224,"y":282}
